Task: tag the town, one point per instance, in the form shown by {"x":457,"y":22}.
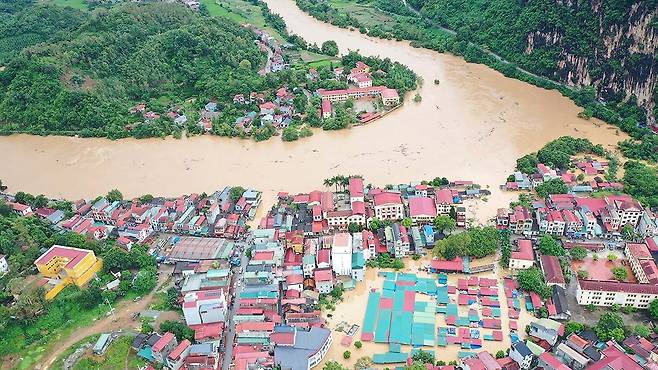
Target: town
{"x":272,"y":295}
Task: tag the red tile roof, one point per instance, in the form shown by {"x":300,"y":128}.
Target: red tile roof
{"x":525,"y":251}
{"x":387,"y":198}
{"x":614,"y":359}
{"x":456,"y":264}
{"x":552,"y":270}
{"x":163,"y":341}
{"x":323,"y":275}
{"x":254,"y":326}
{"x":639,"y":251}
{"x":444,"y":196}
{"x":617,"y":286}
{"x":422,"y":206}
{"x":553,"y":362}
{"x":356,"y":187}
{"x":178,"y":351}
{"x":74,"y":255}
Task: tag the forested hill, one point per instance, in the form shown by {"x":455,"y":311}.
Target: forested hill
{"x":608,"y":44}
{"x":67,"y":70}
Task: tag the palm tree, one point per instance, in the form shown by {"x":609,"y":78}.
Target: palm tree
{"x":328,"y":182}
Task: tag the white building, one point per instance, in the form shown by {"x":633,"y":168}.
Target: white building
{"x":608,"y":293}
{"x":524,"y":258}
{"x":341,"y":254}
{"x":204,"y":307}
{"x":388,"y":206}
{"x":4,"y":266}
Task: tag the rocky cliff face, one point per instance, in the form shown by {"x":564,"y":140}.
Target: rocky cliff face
{"x":623,"y":63}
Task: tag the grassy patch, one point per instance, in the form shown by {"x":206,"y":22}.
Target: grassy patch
{"x":76,"y":4}
{"x":59,"y":363}
{"x":117,"y":357}
{"x":365,"y":14}
{"x":241,"y":12}
{"x":32,"y":354}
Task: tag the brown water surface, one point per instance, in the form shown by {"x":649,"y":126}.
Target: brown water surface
{"x":472,"y":126}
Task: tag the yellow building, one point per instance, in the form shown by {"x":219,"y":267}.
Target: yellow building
{"x":67,"y":266}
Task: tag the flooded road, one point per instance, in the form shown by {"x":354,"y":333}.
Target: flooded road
{"x":472,"y":126}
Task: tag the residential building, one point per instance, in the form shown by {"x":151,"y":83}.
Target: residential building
{"x":324,"y":280}
{"x":307,"y":350}
{"x":546,"y":329}
{"x":163,"y":347}
{"x":341,"y":254}
{"x":358,"y":266}
{"x":548,"y":362}
{"x":444,"y":201}
{"x":521,"y":354}
{"x":524,"y":257}
{"x":571,"y":357}
{"x":204,"y":307}
{"x":177,"y":356}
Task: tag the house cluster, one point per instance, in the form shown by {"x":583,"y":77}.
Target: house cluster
{"x":135,"y":222}
{"x":165,"y":351}
{"x":268,"y":44}
{"x":175,"y":114}
{"x":277,"y":320}
{"x":277,"y":112}
{"x":548,"y":348}
{"x":206,"y":289}
{"x":592,"y":170}
{"x":321,"y":213}
{"x":579,"y":217}
{"x":361,"y":80}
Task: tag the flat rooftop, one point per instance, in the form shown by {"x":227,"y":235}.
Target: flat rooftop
{"x":190,"y":248}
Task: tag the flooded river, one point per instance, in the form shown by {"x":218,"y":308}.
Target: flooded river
{"x":472,"y":126}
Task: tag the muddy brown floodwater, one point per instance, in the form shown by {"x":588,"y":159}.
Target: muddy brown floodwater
{"x":472,"y":126}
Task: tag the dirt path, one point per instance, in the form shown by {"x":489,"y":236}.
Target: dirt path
{"x":122,"y":313}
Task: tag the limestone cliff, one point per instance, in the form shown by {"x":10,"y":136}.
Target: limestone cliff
{"x":622,"y":58}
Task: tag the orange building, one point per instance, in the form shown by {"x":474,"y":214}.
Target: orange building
{"x":67,"y":265}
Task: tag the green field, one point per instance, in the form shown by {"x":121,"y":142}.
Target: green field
{"x":241,"y":12}
{"x":365,"y":14}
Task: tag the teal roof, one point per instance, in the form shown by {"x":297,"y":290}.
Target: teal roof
{"x":217,"y":273}
{"x":309,"y":259}
{"x":358,"y":262}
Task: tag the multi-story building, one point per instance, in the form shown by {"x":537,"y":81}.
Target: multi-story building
{"x":444,"y":201}
{"x":388,"y":206}
{"x":608,"y":293}
{"x":642,"y":263}
{"x":524,"y":257}
{"x":521,"y":221}
{"x":422,"y":210}
{"x":68,"y":265}
{"x":204,"y":307}
{"x":341,"y":254}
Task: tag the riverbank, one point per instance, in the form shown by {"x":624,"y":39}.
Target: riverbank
{"x":474,"y":125}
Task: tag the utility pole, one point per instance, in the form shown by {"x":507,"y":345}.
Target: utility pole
{"x":114,"y":318}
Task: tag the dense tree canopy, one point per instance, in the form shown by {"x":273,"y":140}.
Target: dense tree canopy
{"x":81,"y":71}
